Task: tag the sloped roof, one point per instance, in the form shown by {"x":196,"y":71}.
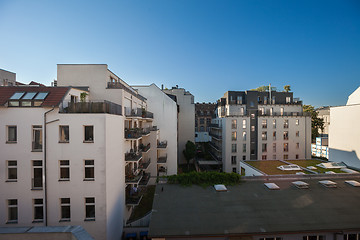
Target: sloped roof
{"x":55,"y":96}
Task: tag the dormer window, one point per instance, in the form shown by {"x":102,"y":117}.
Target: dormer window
{"x":29,"y":99}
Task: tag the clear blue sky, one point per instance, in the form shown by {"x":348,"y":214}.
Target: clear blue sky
{"x":208,"y":47}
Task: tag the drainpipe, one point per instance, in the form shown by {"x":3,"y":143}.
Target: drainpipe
{"x":44,"y":172}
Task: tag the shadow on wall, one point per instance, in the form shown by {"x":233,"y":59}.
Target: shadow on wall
{"x":349,"y":158}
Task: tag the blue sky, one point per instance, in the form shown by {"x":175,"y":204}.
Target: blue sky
{"x":208,"y":47}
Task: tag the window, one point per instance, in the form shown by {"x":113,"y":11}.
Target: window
{"x":286,"y":135}
{"x":90,"y":208}
{"x":202,"y":121}
{"x":234,"y":170}
{"x":288,"y":99}
{"x":12,"y":211}
{"x":264,"y":123}
{"x":297,"y":133}
{"x":242,"y":111}
{"x":233,"y":148}
{"x":89,"y":170}
{"x":297,"y":122}
{"x":271,"y":111}
{"x":286,"y":123}
{"x":264,"y":135}
{"x":252,"y":116}
{"x":233,"y":124}
{"x":11,"y":134}
{"x":12,"y":171}
{"x":274,"y":123}
{"x":265,"y":100}
{"x":272,"y":238}
{"x":244,"y":123}
{"x":64,"y":170}
{"x":281,"y":111}
{"x":233,"y":136}
{"x":252,"y":128}
{"x":286,"y":147}
{"x":262,"y":111}
{"x":264,"y":147}
{"x":202,"y":129}
{"x":244,"y":148}
{"x":263,"y":157}
{"x":274,"y":135}
{"x":239,"y":99}
{"x":252,"y":104}
{"x":233,"y":159}
{"x":244,"y":136}
{"x":65,"y":209}
{"x":274,"y":157}
{"x":37,"y":181}
{"x":286,"y":157}
{"x":274,"y":147}
{"x":314,"y":237}
{"x":297,"y":145}
{"x":352,"y":236}
{"x":244,"y":157}
{"x":297,"y":156}
{"x":89,"y":133}
{"x":73,"y":99}
{"x":64,"y":134}
{"x":37,"y":138}
{"x":38,"y":209}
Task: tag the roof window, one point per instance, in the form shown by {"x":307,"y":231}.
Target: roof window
{"x":301,"y":184}
{"x":220,"y":188}
{"x":17,"y":95}
{"x":29,"y":96}
{"x":41,"y":96}
{"x":27,"y":99}
{"x":272,"y":186}
{"x":289,"y":167}
{"x":328,"y":183}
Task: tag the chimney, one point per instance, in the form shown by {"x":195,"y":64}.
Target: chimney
{"x":162,"y":86}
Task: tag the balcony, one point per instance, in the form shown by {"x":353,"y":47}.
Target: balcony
{"x":138,"y":113}
{"x":154,"y":128}
{"x":133,"y":156}
{"x":144,"y":148}
{"x":214,"y":146}
{"x":215,"y":136}
{"x":215,"y":157}
{"x":146,"y":132}
{"x":133,"y":133}
{"x":162,"y":171}
{"x":133,"y":178}
{"x":92,"y":107}
{"x":215,"y":125}
{"x":162,"y":160}
{"x":162,"y":144}
{"x":286,"y":114}
{"x":119,"y":85}
{"x":143,"y":165}
{"x":145,"y":179}
{"x":133,"y":200}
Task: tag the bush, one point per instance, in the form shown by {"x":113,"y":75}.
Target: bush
{"x":204,"y":178}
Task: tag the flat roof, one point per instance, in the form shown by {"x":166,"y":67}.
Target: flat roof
{"x":251,"y":208}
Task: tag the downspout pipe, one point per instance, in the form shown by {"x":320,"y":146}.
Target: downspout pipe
{"x":44,"y":173}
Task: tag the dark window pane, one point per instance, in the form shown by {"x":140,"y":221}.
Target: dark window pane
{"x":64,"y":172}
{"x":12,"y":134}
{"x":38,"y":213}
{"x":90,"y":211}
{"x":89,"y":133}
{"x":65,"y":212}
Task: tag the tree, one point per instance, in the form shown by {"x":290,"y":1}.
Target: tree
{"x":316,"y":122}
{"x":189,"y":152}
{"x":287,"y":88}
{"x":264,"y":89}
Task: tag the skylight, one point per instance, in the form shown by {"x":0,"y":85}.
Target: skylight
{"x":353,"y":183}
{"x":272,"y":186}
{"x":17,"y":95}
{"x":220,"y":188}
{"x":29,"y":95}
{"x":301,"y":184}
{"x":289,"y":167}
{"x":41,"y":96}
{"x":328,"y":183}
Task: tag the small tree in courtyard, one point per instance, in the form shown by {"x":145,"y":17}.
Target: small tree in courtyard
{"x":287,"y":88}
{"x":189,"y":152}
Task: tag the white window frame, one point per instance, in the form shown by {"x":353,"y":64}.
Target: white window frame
{"x":10,"y":206}
{"x":62,"y":207}
{"x":62,"y":135}
{"x":62,"y":165}
{"x":8,"y":127}
{"x":89,"y":166}
{"x":38,"y":205}
{"x":8,"y":166}
{"x":86,"y":206}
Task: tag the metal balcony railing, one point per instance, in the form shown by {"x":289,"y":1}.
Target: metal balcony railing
{"x":145,"y":179}
{"x":92,"y":107}
{"x":133,"y":156}
{"x":133,"y":178}
{"x":162,"y":144}
{"x":144,"y":148}
{"x":133,"y":133}
{"x":162,"y":159}
{"x":144,"y":164}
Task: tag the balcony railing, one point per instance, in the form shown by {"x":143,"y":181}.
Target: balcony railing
{"x":215,"y":136}
{"x":144,"y":164}
{"x":215,"y":146}
{"x":145,"y":179}
{"x":162,"y":159}
{"x":133,"y":133}
{"x":146,"y":131}
{"x":215,"y":125}
{"x":92,"y":107}
{"x":215,"y":156}
{"x":144,"y":148}
{"x":154,"y":128}
{"x":133,"y":156}
{"x":134,"y":199}
{"x":119,"y":85}
{"x":162,"y":144}
{"x":133,"y":178}
{"x":138,"y":112}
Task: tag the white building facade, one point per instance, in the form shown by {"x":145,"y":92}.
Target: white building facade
{"x":255,"y":125}
{"x":344,"y":132}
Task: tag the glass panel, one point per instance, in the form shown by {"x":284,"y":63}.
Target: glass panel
{"x":65,"y":212}
{"x":12,"y":136}
{"x":26,"y":104}
{"x":13,"y":103}
{"x":17,"y":95}
{"x":39,"y":213}
{"x":41,"y":95}
{"x":90,"y":211}
{"x":29,"y":95}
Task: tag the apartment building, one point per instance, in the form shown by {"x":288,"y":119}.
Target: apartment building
{"x":76,"y":155}
{"x":186,"y":118}
{"x":324,"y":113}
{"x":7,"y":78}
{"x":344,"y":132}
{"x":204,"y":113}
{"x":252,"y":125}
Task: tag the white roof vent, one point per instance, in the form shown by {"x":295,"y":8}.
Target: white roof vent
{"x":301,"y":184}
{"x":328,"y":183}
{"x":272,"y":186}
{"x":331,"y":165}
{"x":300,"y":173}
{"x":311,"y":167}
{"x":330,"y":172}
{"x":290,"y":167}
{"x":220,"y":188}
{"x":347,"y":170}
{"x":353,"y":183}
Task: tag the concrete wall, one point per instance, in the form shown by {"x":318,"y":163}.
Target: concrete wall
{"x":344,"y":144}
{"x":7,"y":78}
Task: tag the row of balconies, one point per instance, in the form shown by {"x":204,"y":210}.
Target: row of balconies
{"x":135,"y":133}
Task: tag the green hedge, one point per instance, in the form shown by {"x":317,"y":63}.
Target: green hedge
{"x":204,"y":178}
